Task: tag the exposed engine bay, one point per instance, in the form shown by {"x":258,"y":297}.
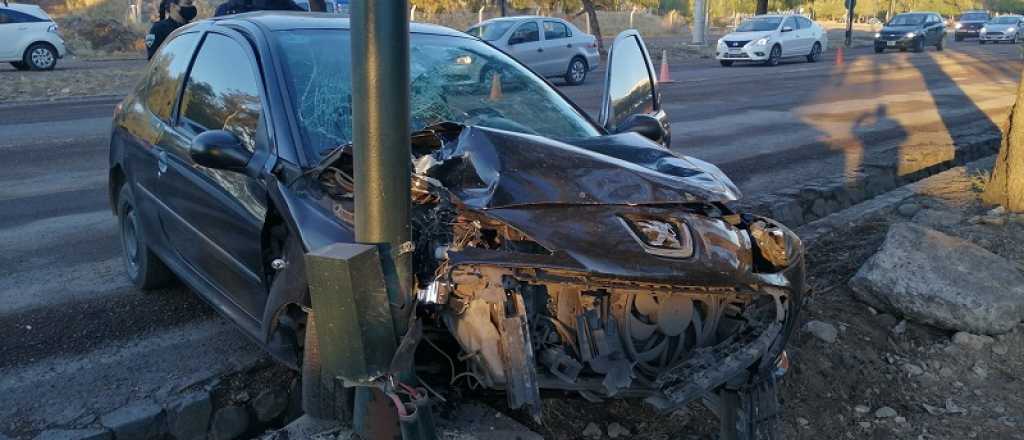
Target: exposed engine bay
{"x":608,"y":267}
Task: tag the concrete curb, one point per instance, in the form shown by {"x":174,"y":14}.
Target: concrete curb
{"x":818,"y":199}
{"x":889,"y":201}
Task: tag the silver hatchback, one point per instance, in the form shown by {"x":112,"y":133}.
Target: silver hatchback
{"x":550,"y":46}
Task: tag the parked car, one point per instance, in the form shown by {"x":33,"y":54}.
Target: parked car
{"x":552,"y":47}
{"x":1003,"y":28}
{"x":912,"y":31}
{"x":29,"y":37}
{"x":232,"y":159}
{"x":772,"y":38}
{"x":969,"y":24}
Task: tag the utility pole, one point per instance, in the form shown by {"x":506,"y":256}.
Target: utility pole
{"x":502,"y":7}
{"x":762,"y":7}
{"x":892,"y":10}
{"x":850,"y":5}
{"x":380,"y":122}
{"x":699,"y":22}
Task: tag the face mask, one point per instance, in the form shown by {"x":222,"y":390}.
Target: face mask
{"x":188,"y":12}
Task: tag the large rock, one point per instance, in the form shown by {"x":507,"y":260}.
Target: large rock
{"x":943,"y":281}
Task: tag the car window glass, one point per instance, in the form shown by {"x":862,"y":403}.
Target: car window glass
{"x":222,"y":92}
{"x":790,"y":22}
{"x":631,"y":90}
{"x":804,"y":23}
{"x":451,"y":79}
{"x":8,"y":17}
{"x":166,"y":72}
{"x":554,"y":30}
{"x":527,"y":33}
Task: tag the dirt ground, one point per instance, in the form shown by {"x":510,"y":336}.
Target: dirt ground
{"x":71,"y":78}
{"x":937,"y":389}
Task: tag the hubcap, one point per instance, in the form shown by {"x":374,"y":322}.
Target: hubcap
{"x":577,"y":71}
{"x":816,"y":52}
{"x":130,"y":240}
{"x":42,"y":57}
{"x":776,"y":52}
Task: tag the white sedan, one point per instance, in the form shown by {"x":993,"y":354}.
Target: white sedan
{"x":771,"y":38}
{"x":29,"y":38}
{"x":552,"y":47}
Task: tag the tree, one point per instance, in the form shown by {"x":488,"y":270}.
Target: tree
{"x":762,"y":7}
{"x":1006,"y":187}
{"x":588,"y":6}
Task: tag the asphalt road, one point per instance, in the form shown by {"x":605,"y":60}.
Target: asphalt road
{"x":79,"y":341}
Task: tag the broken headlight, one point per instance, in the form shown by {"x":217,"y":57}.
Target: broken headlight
{"x":662,"y":237}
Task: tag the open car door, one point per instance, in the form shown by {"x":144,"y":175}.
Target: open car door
{"x":631,"y":99}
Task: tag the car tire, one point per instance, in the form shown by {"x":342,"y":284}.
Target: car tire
{"x":576,"y":73}
{"x":725,"y":63}
{"x":918,"y":45}
{"x":751,"y":413}
{"x":981,"y":41}
{"x":879,"y":49}
{"x":20,"y":65}
{"x":323,"y":396}
{"x":145,"y":269}
{"x":774,"y":56}
{"x":815,"y":54}
{"x":940,"y":44}
{"x":40,"y":56}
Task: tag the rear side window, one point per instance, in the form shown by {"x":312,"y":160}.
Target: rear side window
{"x":554,"y":30}
{"x":222,"y":92}
{"x":804,"y":23}
{"x":166,"y":73}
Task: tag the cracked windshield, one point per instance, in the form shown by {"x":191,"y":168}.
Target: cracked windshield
{"x":452,"y":79}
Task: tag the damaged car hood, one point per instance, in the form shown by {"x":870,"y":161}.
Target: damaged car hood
{"x":487,"y":168}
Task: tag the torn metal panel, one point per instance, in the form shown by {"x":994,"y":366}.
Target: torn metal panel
{"x":487,"y":168}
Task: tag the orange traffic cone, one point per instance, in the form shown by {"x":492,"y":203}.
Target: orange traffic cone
{"x":495,"y":87}
{"x":839,"y":56}
{"x":664,"y":77}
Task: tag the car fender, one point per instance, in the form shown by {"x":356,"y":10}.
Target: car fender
{"x":309,"y":227}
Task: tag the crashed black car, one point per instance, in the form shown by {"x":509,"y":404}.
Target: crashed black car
{"x":633,"y":277}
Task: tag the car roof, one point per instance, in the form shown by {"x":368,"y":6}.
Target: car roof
{"x":284,"y":20}
{"x":33,"y":10}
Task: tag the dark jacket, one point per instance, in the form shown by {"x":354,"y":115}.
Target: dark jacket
{"x":158,"y":33}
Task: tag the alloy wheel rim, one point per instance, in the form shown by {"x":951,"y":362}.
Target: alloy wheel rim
{"x":577,"y":71}
{"x":816,"y":51}
{"x":42,"y":57}
{"x":776,"y":53}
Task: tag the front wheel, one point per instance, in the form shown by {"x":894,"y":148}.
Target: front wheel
{"x":323,"y":397}
{"x":942,"y":41}
{"x":145,"y":269}
{"x":815,"y":53}
{"x":40,"y":56}
{"x":751,"y":412}
{"x":577,"y":72}
{"x":919,"y":45}
{"x":725,"y":63}
{"x":774,"y":56}
{"x":981,"y":41}
{"x":879,"y":49}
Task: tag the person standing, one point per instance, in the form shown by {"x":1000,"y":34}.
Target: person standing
{"x":173,"y":15}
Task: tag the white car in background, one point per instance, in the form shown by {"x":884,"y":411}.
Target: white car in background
{"x":550,"y":46}
{"x":772,"y":38}
{"x":1002,"y":28}
{"x":29,"y":38}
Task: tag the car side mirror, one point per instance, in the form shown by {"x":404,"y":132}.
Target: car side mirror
{"x":221,"y":150}
{"x":645,"y":125}
{"x":787,"y":29}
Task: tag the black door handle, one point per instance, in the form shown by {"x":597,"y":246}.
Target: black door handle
{"x":540,"y":50}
